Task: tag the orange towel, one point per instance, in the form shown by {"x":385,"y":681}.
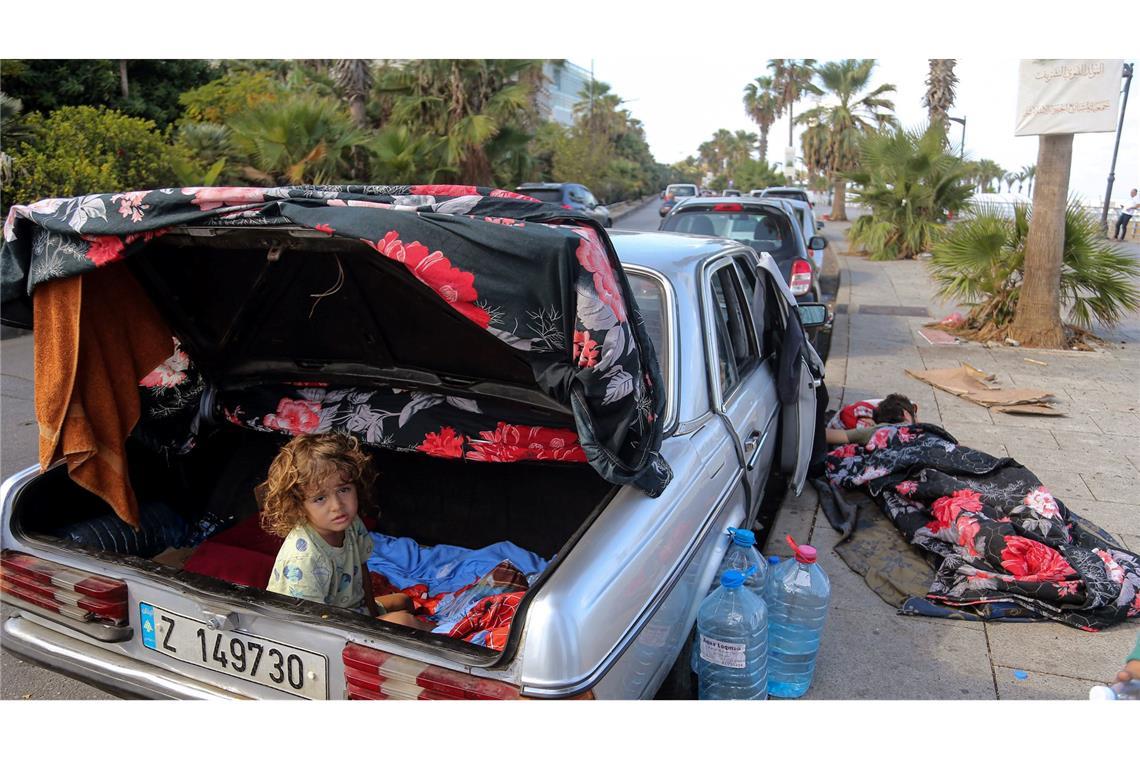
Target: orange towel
{"x":96,"y":336}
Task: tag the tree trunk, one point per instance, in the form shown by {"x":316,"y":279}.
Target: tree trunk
{"x":123,"y":79}
{"x":791,"y":122}
{"x":839,"y":201}
{"x":1038,"y":318}
{"x":764,"y":146}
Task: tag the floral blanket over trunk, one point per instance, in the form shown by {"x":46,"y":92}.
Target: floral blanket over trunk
{"x":997,"y":531}
{"x":543,"y":280}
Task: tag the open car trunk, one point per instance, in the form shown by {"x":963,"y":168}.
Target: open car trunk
{"x":483,"y":347}
{"x":203,"y":503}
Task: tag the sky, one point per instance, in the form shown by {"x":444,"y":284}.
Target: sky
{"x":684,"y":109}
{"x":681,"y":67}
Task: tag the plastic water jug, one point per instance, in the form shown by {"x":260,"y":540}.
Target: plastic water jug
{"x":742,"y":555}
{"x":732,"y":637}
{"x":798,"y":596}
{"x":1119,"y":690}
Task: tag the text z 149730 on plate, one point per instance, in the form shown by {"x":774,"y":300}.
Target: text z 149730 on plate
{"x":251,"y":658}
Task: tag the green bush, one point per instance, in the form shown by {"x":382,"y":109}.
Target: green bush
{"x":232,"y":94}
{"x":980,"y":263}
{"x":79,"y":150}
{"x":908,"y":182}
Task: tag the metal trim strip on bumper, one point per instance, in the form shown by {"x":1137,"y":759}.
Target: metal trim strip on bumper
{"x":103,"y":669}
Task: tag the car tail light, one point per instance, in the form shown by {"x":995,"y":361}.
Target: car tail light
{"x":372,"y":674}
{"x":801,"y":277}
{"x":728,"y":207}
{"x":64,"y":590}
{"x":567,"y":206}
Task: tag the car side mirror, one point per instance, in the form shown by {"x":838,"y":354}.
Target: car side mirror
{"x":814,"y":314}
{"x":819,"y":225}
{"x":817,"y":243}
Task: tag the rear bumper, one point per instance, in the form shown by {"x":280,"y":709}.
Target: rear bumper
{"x":94,"y":665}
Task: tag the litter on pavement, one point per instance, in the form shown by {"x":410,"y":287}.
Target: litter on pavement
{"x":972,"y":384}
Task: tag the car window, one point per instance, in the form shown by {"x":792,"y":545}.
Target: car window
{"x":589,"y":198}
{"x":544,"y":194}
{"x":796,"y":195}
{"x":681,"y":190}
{"x":651,"y":305}
{"x":577,"y":195}
{"x":733,"y":330}
{"x":762,"y":229}
{"x":800,"y":215}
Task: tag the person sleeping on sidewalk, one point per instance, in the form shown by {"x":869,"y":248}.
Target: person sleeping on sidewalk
{"x":895,"y":409}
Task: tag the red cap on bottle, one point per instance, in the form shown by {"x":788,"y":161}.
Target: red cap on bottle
{"x":804,"y":553}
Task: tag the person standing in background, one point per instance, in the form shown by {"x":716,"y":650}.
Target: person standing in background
{"x":1126,"y":211}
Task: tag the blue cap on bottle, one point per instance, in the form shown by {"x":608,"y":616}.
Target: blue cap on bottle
{"x":742,"y":537}
{"x":732,"y":579}
{"x":773,"y":560}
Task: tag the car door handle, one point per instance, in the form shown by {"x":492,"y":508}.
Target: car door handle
{"x":753,"y":446}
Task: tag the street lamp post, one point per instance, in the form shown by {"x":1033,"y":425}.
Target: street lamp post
{"x":1127,"y":76}
{"x":962,"y":121}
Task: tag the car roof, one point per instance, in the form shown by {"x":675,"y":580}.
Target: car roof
{"x":671,"y":253}
{"x":545,"y":185}
{"x":786,"y":187}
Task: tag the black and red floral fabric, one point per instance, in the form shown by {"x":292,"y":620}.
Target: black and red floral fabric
{"x":449,"y":427}
{"x":542,"y":279}
{"x":994,"y":530}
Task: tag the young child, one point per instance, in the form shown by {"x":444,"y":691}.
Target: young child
{"x":311,"y":498}
{"x":895,"y":409}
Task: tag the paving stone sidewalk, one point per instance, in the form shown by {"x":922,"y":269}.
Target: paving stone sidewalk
{"x":1090,"y":458}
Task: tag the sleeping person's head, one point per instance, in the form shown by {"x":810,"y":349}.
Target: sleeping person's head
{"x":896,"y":409}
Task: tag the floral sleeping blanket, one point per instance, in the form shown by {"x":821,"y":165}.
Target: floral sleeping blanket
{"x":994,"y":531}
{"x":480,"y":612}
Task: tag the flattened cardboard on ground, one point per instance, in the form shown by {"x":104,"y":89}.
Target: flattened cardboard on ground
{"x":1042,"y":409}
{"x":938,"y":337}
{"x":983,"y":389}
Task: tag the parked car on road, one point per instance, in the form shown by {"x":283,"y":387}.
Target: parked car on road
{"x":568,"y":195}
{"x":768,"y":225}
{"x":675,"y":193}
{"x":731,"y":193}
{"x":810,"y":227}
{"x":438,"y":373}
{"x":794,"y":193}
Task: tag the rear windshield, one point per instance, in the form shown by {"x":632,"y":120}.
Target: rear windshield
{"x":681,"y":190}
{"x":651,"y":303}
{"x":796,"y":195}
{"x":547,"y":196}
{"x":761,"y":229}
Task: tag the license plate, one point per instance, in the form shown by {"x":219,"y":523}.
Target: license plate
{"x":250,"y":658}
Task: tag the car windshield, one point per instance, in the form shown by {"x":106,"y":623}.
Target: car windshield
{"x":681,"y":190}
{"x":547,"y":195}
{"x":761,"y":229}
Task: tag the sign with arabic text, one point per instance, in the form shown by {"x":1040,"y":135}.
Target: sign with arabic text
{"x":1067,"y":96}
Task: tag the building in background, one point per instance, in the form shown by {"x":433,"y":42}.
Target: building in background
{"x":563,"y":89}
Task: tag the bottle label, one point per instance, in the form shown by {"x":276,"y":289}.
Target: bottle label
{"x":723,"y":653}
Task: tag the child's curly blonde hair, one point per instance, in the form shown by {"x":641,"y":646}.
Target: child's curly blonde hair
{"x":301,"y":465}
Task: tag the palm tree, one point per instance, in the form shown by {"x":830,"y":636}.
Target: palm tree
{"x":790,"y":80}
{"x":940,"y":83}
{"x":988,"y":171}
{"x":354,"y":78}
{"x":981,"y":262}
{"x":741,"y":149}
{"x":1010,"y":178}
{"x":844,"y":123}
{"x":1027,"y":174}
{"x":761,"y":104}
{"x":301,"y":140}
{"x":908,"y":182}
{"x":465,"y":102}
